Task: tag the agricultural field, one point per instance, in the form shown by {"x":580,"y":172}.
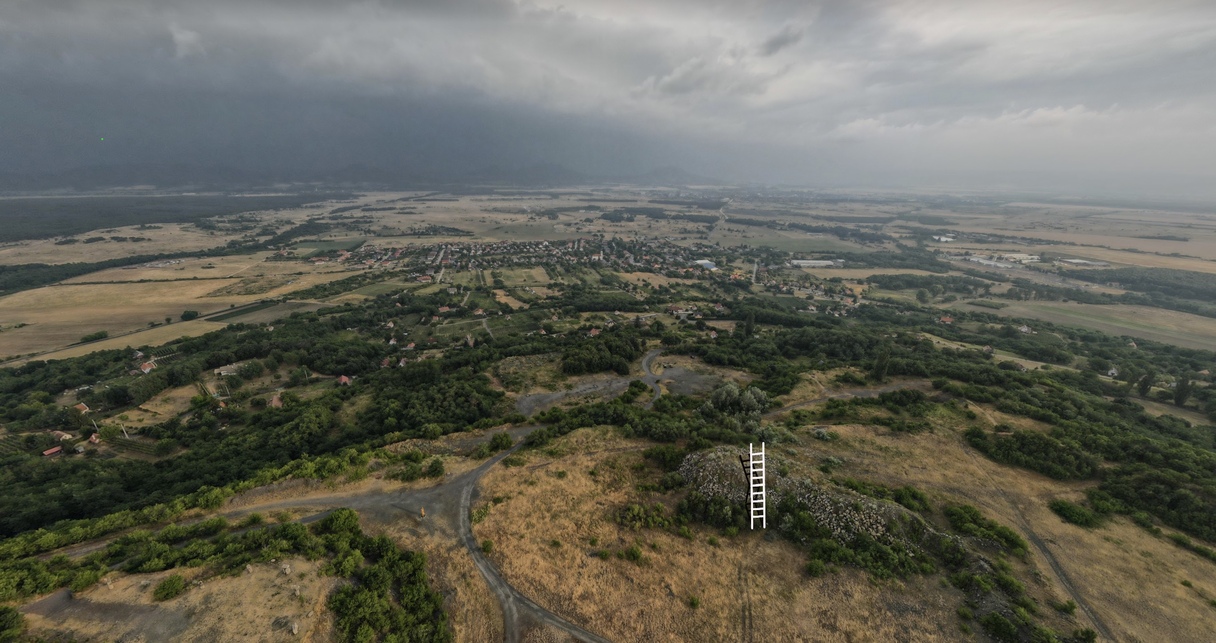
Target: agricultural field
{"x":1167,"y":326}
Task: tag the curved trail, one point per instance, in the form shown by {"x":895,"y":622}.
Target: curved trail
{"x":448,"y":506}
{"x":1041,"y":547}
{"x":651,"y":378}
{"x":517,"y":609}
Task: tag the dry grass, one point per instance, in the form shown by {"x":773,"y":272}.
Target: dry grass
{"x":241,"y":608}
{"x":1157,"y":324}
{"x":1131,"y":578}
{"x":195,"y":268}
{"x":502,"y":297}
{"x":149,"y":337}
{"x":172,"y":237}
{"x":56,"y":316}
{"x":747,"y":586}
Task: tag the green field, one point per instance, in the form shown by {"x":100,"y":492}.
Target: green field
{"x":382,"y":288}
{"x":1156,"y":324}
{"x":316,"y":247}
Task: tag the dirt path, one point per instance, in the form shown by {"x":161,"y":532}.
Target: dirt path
{"x":852,"y":393}
{"x":1041,"y":547}
{"x":517,"y":609}
{"x":448,"y":506}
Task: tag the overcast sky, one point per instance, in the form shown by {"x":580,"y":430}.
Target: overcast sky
{"x":1071,"y":95}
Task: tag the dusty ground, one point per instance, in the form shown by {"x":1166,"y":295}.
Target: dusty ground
{"x":750,"y":587}
{"x":261,"y":606}
{"x":1131,"y":579}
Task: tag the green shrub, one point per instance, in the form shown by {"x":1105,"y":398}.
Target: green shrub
{"x":1075,"y":514}
{"x":668,"y":457}
{"x":637,"y":516}
{"x":171,"y":587}
{"x":968,"y":520}
{"x":999,"y":627}
{"x":694,"y":602}
{"x":501,"y":442}
{"x":487,"y":546}
{"x":12,"y":624}
{"x":1065,"y":607}
{"x":633,"y":553}
{"x":434,"y":468}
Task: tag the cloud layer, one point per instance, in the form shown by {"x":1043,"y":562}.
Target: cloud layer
{"x":869,"y":91}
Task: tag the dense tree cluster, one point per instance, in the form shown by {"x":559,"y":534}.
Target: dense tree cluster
{"x":610,"y":351}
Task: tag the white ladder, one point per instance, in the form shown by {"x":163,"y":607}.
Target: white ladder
{"x":757,"y":486}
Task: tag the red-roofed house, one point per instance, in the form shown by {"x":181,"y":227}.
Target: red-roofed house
{"x":344,"y":381}
{"x":594,"y":332}
{"x":95,"y":438}
{"x":946,"y":320}
{"x":82,"y":407}
{"x":276,"y":402}
{"x":52,"y":451}
{"x":147,"y":367}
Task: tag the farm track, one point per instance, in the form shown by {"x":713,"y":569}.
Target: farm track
{"x":747,"y":626}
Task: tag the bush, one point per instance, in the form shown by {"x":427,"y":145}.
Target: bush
{"x":968,"y":520}
{"x":171,"y":587}
{"x":434,"y":468}
{"x":999,"y":627}
{"x":632,"y":553}
{"x":1065,"y":607}
{"x":187,"y":315}
{"x":501,"y":442}
{"x":12,"y":624}
{"x":667,"y":456}
{"x":487,"y":546}
{"x":1075,"y":514}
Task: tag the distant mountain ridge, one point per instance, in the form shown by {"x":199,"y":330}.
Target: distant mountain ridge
{"x":219,"y":177}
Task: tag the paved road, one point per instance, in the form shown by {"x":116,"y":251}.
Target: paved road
{"x":651,"y":378}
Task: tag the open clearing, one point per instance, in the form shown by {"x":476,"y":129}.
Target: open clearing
{"x":549,"y":510}
{"x":57,"y":316}
{"x":170,"y":238}
{"x":1168,"y":326}
{"x":147,"y":337}
{"x":61,"y":315}
{"x":257,"y":606}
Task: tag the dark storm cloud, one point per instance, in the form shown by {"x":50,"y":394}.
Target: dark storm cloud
{"x":755,"y":89}
{"x":780,"y":40}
